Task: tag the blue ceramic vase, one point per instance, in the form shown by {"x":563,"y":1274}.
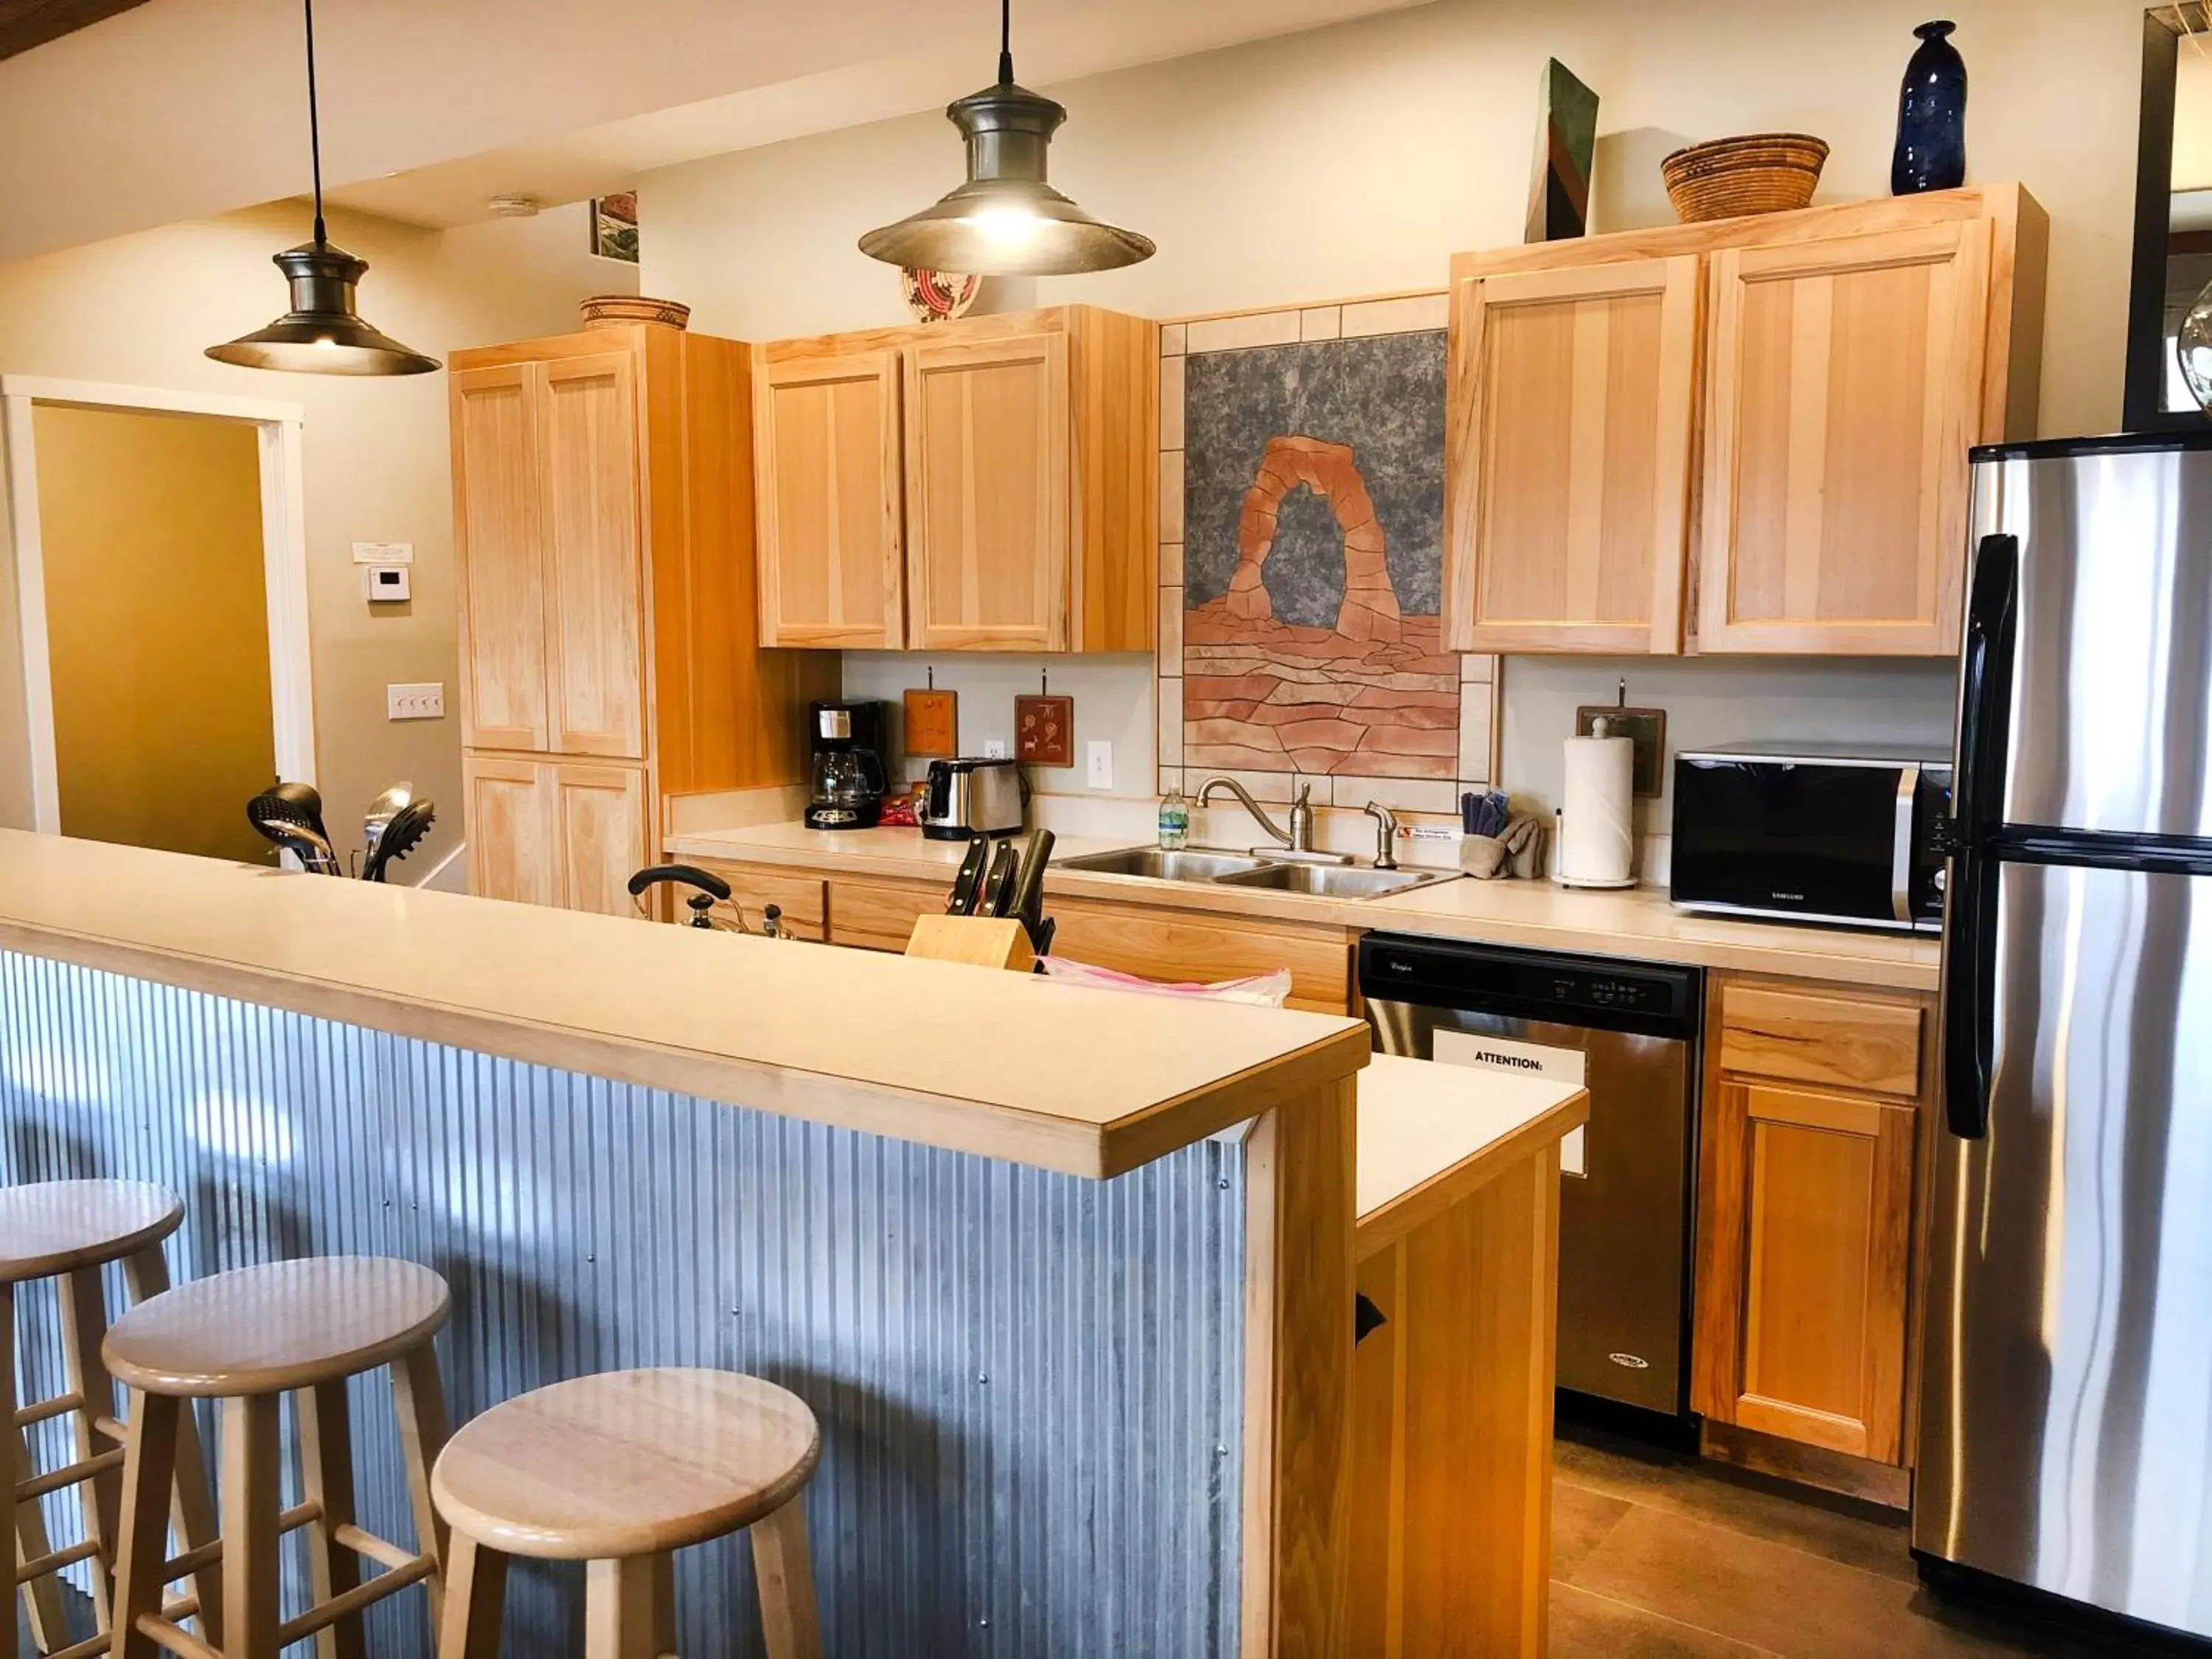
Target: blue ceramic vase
{"x":1931,"y":117}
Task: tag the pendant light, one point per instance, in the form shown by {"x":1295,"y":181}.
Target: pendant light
{"x":322,"y":333}
{"x":1006,"y":221}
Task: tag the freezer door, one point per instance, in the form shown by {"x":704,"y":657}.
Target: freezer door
{"x":2066,"y":1397}
{"x":2111,"y":718}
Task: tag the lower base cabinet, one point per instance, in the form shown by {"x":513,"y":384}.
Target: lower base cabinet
{"x":560,"y":832}
{"x":1813,"y":1118}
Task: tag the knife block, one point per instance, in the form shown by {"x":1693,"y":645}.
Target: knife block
{"x":979,"y":941}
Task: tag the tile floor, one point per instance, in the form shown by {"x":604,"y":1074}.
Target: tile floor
{"x":1657,"y":1555}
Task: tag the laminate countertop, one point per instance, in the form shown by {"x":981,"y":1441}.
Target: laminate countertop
{"x":1637,"y":924}
{"x":967,"y":1058}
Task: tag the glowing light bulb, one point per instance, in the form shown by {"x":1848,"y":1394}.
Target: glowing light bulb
{"x":1008,"y":224}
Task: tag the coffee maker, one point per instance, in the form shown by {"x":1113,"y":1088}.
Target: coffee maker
{"x":847,"y":740}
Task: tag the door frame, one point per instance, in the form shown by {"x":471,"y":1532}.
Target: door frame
{"x":283,"y":552}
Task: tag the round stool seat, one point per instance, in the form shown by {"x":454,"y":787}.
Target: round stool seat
{"x":283,"y":1325}
{"x":54,"y":1227}
{"x":626,"y":1464}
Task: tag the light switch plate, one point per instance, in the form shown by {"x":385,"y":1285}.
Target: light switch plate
{"x":415,"y":702}
{"x":1100,"y":754}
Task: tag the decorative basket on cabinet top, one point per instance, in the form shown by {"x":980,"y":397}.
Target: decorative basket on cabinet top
{"x":1730,"y":178}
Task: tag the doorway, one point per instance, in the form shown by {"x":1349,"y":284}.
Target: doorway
{"x":160,"y":575}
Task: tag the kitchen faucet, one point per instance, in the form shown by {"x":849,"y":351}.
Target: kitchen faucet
{"x":1295,"y":844}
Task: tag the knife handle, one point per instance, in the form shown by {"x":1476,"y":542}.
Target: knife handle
{"x":967,"y":885}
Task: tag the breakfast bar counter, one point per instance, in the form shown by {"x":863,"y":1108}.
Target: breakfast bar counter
{"x":1067,"y":1275}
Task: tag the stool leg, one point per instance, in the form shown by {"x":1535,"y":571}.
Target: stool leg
{"x":42,"y":1596}
{"x":326,"y":1479}
{"x":627,"y":1608}
{"x":141,"y":1547}
{"x":15,"y":1460}
{"x":476,"y":1588}
{"x":146,"y":1275}
{"x":785,"y":1572}
{"x":84,"y":1323}
{"x":252,"y":1450}
{"x":420,"y":1400}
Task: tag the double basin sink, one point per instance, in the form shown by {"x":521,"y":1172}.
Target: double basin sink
{"x":1212,"y":869}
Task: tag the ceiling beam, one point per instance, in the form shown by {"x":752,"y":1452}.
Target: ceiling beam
{"x":28,"y":23}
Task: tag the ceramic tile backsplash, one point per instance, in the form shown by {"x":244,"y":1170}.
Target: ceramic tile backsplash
{"x":1413,"y":314}
{"x":1171,"y":339}
{"x":1171,"y":488}
{"x":1243,"y":333}
{"x":1171,"y":382}
{"x":1321,"y":323}
{"x":1172,"y":565}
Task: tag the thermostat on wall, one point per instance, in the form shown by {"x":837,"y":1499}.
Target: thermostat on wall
{"x":387,"y":583}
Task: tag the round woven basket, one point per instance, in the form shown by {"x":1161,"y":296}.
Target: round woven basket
{"x":608,"y":310}
{"x":1729,"y":178}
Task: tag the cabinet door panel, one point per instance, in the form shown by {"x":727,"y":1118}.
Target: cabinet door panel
{"x":601,"y":812}
{"x":1845,"y":386}
{"x":1825,"y":1229}
{"x":596,"y":648}
{"x":499,"y":551}
{"x":826,"y":432}
{"x":513,"y":842}
{"x":987,"y":493}
{"x":1573,"y":397}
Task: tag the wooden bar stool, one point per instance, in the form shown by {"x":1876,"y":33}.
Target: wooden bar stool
{"x":617,"y":1471}
{"x":68,"y":1231}
{"x":248,"y":1338}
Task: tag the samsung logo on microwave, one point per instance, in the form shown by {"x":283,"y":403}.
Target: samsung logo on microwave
{"x":1788,"y":898}
{"x":1519,"y":1062}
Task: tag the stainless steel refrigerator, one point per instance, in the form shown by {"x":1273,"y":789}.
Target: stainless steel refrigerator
{"x":2065,"y":1438}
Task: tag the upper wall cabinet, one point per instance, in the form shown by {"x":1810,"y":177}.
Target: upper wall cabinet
{"x":1744,"y":436}
{"x":989,"y":484}
{"x":1571,"y":422}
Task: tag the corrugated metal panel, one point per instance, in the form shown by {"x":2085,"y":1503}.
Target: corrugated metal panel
{"x":1029,"y":1383}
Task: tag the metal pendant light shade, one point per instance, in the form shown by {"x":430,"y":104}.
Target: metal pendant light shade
{"x":323,"y":333}
{"x":1006,"y":221}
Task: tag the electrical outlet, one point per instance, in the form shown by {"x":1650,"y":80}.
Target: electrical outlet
{"x":1100,"y":754}
{"x":415,"y":702}
{"x":994,"y":748}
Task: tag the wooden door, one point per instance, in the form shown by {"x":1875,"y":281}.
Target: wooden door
{"x":1822,"y":1186}
{"x":595,"y":637}
{"x":1844,"y":388}
{"x":499,"y":555}
{"x":1573,"y":397}
{"x":514,"y":840}
{"x":826,"y":466}
{"x":603,"y":835}
{"x":987,"y":472}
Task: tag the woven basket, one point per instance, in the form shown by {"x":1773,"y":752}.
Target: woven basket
{"x":613,"y":310}
{"x":1729,"y":178}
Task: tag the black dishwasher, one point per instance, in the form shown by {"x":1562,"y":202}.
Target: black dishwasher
{"x":1629,"y":1033}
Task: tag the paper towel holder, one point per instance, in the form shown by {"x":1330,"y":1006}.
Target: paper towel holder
{"x":1647,"y":727}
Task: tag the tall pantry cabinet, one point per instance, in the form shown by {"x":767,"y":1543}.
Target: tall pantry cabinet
{"x":603,"y":532}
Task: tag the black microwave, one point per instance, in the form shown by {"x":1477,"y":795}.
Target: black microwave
{"x":1848,"y":838}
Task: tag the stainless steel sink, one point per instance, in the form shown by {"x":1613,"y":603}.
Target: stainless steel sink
{"x":1335,"y":881}
{"x":1236,"y":870}
{"x":1163,"y":866}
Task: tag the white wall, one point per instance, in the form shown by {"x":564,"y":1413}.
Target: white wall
{"x":140,"y":311}
{"x":1355,"y":159}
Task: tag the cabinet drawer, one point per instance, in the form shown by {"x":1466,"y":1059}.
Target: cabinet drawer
{"x":1814,"y":1038}
{"x":800,"y":896}
{"x":1179,"y":946}
{"x":878,"y":915}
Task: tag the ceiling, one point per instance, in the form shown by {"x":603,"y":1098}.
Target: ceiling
{"x":28,"y":23}
{"x":193,"y":107}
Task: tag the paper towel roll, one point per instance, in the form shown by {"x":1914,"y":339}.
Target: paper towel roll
{"x":1597,"y":823}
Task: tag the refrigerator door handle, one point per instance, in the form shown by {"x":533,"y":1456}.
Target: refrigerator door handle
{"x":1970,"y":946}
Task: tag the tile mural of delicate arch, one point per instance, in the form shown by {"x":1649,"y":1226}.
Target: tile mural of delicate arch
{"x":1302,"y":560}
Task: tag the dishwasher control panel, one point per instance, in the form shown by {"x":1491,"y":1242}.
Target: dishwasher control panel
{"x":1447,"y":973}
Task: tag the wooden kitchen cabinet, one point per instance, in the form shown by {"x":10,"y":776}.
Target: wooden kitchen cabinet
{"x":1571,"y":441}
{"x":985,"y":484}
{"x":830,"y":504}
{"x":604,"y":546}
{"x":1814,"y":1113}
{"x":1844,"y":360}
{"x":562,"y":833}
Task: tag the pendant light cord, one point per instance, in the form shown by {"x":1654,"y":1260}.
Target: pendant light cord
{"x":1006,"y":43}
{"x":315,"y":124}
